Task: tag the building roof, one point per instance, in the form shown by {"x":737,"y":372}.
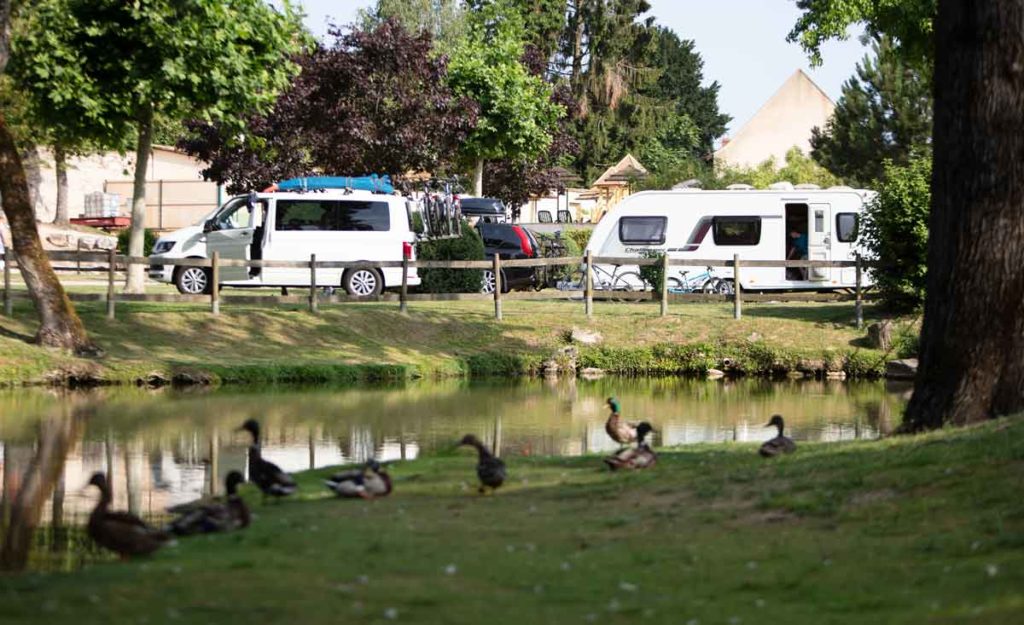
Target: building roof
{"x":783,"y":122}
{"x":621,"y":173}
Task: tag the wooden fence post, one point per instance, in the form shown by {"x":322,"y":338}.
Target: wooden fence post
{"x":664,"y":285}
{"x":497,"y":286}
{"x":8,"y":301}
{"x":314,"y":305}
{"x":215,"y":284}
{"x":111,"y":268}
{"x":403,"y":306}
{"x":737,"y":299}
{"x":588,"y":286}
{"x":859,"y":303}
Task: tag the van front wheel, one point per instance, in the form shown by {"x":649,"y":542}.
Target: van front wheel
{"x":192,"y":280}
{"x":362,"y":282}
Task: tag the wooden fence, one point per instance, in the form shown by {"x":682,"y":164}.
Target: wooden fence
{"x":109,"y":263}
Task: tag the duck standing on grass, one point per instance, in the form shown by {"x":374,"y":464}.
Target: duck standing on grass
{"x":621,"y":432}
{"x":269,"y":477}
{"x":121,"y":532}
{"x":203,"y":517}
{"x":369,"y":482}
{"x":778,"y":445}
{"x":639,"y":457}
{"x":489,"y":469}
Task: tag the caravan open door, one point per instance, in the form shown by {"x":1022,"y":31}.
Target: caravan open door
{"x":819,"y":239}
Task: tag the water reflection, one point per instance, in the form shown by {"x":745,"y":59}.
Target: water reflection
{"x":164,"y":447}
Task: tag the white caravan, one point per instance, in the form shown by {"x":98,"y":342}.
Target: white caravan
{"x":715,"y":225}
{"x":336,"y":225}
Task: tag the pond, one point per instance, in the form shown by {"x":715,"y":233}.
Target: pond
{"x":168,"y":446}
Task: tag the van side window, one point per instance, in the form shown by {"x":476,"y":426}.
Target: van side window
{"x":847,"y":227}
{"x":333,"y":215}
{"x":642,"y":230}
{"x":736,"y":230}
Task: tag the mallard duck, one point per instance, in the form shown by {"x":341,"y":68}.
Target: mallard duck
{"x":269,"y":477}
{"x":489,"y":469}
{"x":121,"y":532}
{"x":369,"y":482}
{"x":778,"y":445}
{"x":203,"y":517}
{"x":639,"y":457}
{"x":621,"y":432}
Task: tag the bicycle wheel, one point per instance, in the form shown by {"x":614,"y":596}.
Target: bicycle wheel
{"x":710,"y":286}
{"x":675,"y":285}
{"x":725,"y":287}
{"x":629,"y":282}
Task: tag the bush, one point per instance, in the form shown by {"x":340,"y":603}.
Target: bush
{"x":653,"y":275}
{"x":148,"y":241}
{"x":469,"y":246}
{"x":895,"y":233}
{"x":580,"y":235}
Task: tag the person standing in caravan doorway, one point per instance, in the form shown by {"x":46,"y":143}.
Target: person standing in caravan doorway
{"x":798,"y":251}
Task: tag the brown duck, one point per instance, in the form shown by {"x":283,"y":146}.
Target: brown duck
{"x":620,"y":431}
{"x":639,"y":457}
{"x":121,"y":532}
{"x":489,"y":469}
{"x":780,"y":444}
{"x":206,"y":516}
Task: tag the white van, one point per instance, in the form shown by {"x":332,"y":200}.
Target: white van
{"x":715,"y":225}
{"x":336,"y":225}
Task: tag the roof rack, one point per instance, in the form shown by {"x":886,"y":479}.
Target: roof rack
{"x":372,"y":183}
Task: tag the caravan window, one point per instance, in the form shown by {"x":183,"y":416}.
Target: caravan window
{"x":737,"y":230}
{"x":847,"y":226}
{"x":642,"y":230}
{"x":333,"y":215}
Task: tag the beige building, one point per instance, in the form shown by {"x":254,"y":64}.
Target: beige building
{"x":176,"y":194}
{"x":783,"y":122}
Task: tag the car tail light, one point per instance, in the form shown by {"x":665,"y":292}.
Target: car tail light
{"x":406,"y":250}
{"x":524,"y":241}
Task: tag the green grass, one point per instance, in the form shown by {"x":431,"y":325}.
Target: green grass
{"x":255,"y":343}
{"x":927,"y":529}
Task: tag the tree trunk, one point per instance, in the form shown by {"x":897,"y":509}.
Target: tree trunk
{"x":972,"y":339}
{"x":56,"y":437}
{"x":137,"y":273}
{"x":576,"y":77}
{"x":60,"y":166}
{"x":59,"y":324}
{"x":478,"y":178}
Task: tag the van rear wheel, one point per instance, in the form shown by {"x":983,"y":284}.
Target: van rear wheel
{"x":362,"y":282}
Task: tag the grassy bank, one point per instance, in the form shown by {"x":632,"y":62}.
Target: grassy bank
{"x":908,"y":530}
{"x":373,"y":341}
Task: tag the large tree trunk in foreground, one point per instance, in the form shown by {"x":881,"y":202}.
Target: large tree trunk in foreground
{"x":60,"y":167}
{"x":59,"y":323}
{"x":136,"y":244}
{"x":972,"y":340}
{"x":56,"y":437}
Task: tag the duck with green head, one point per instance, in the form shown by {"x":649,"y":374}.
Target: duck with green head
{"x":620,"y":431}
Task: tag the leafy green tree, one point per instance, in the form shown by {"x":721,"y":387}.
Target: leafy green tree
{"x":516,"y":113}
{"x":59,"y":324}
{"x":895,"y":232}
{"x":884,"y":114}
{"x":680,"y":80}
{"x":443,"y":20}
{"x":98,"y":67}
{"x":798,"y":169}
{"x":909,"y":23}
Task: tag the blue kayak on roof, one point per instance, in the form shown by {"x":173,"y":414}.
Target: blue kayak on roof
{"x":374,"y":183}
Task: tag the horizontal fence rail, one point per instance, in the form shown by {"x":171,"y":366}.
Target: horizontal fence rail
{"x":111,"y":264}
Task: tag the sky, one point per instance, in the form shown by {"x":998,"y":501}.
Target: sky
{"x":743,"y":44}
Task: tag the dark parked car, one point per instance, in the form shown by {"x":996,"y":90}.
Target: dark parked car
{"x":487,"y":209}
{"x":512,"y":242}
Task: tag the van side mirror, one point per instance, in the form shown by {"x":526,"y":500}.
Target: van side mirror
{"x":209,"y":225}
